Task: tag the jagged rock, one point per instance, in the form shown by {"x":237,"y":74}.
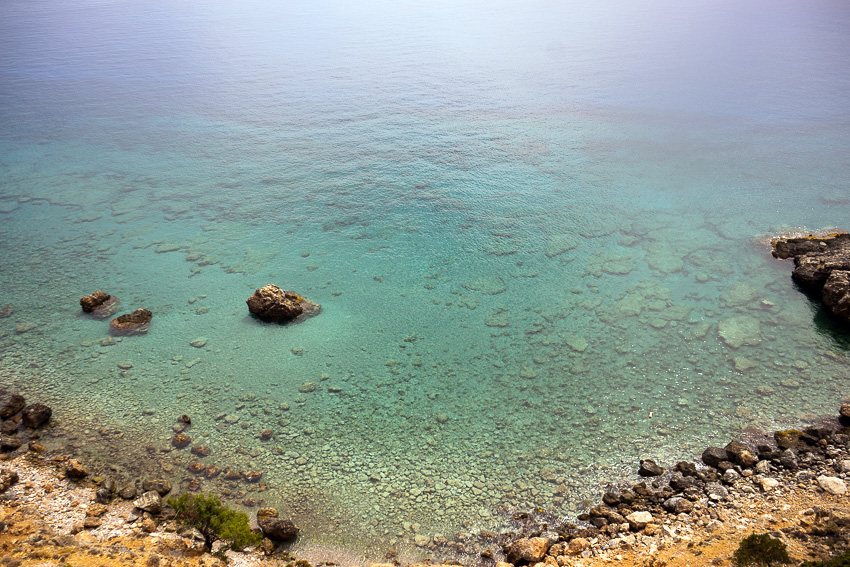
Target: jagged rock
{"x":788,"y":459}
{"x":741,"y":454}
{"x":713,"y":456}
{"x":279,"y":530}
{"x":99,"y":304}
{"x":135,"y":323}
{"x":150,"y":501}
{"x":836,"y":294}
{"x":271,"y":303}
{"x":649,"y":468}
{"x":7,"y":479}
{"x":638,"y":520}
{"x":816,"y":259}
{"x":577,"y":546}
{"x":10,"y":404}
{"x":74,"y":469}
{"x":528,"y":550}
{"x":35,"y":415}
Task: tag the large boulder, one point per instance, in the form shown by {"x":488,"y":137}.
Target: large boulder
{"x":528,"y":550}
{"x":99,"y":304}
{"x":271,"y":303}
{"x":35,"y":415}
{"x":10,"y":404}
{"x":278,"y":530}
{"x":741,"y":454}
{"x":135,"y":323}
{"x":713,"y":456}
{"x":821,"y":267}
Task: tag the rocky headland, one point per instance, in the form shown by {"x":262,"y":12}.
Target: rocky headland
{"x":821,"y":268}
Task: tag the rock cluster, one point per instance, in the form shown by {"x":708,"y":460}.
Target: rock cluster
{"x":271,"y":303}
{"x":649,"y":515}
{"x":821,"y":267}
{"x":20,"y":422}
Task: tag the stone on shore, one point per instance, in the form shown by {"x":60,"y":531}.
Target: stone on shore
{"x":150,"y":501}
{"x":713,"y":456}
{"x":833,"y":485}
{"x":7,"y":479}
{"x":639,"y":520}
{"x":36,"y":415}
{"x":741,"y":454}
{"x":648,"y":467}
{"x":529,"y":550}
{"x":271,"y":303}
{"x":99,"y":304}
{"x":74,"y":469}
{"x":135,"y":323}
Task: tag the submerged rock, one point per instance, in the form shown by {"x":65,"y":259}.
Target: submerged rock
{"x":99,"y":304}
{"x":821,"y":267}
{"x":10,"y":404}
{"x":135,"y":323}
{"x":271,"y":303}
{"x":36,"y":415}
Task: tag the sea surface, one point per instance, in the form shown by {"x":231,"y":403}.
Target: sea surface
{"x":539,"y":233}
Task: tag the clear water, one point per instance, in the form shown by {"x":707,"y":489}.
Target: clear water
{"x":528,"y":225}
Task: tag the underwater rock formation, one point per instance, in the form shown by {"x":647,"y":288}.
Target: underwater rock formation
{"x":99,"y":304}
{"x":821,"y":267}
{"x":135,"y":323}
{"x":270,"y":303}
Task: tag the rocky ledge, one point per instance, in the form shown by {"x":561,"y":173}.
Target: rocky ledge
{"x":822,"y":268}
{"x":271,"y":303}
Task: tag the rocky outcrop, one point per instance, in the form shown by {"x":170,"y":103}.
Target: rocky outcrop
{"x":271,"y":303}
{"x":821,"y":267}
{"x":135,"y":323}
{"x":99,"y":304}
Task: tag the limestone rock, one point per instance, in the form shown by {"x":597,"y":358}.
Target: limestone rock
{"x":488,"y":285}
{"x":150,"y":501}
{"x":99,"y":304}
{"x":74,"y":469}
{"x":135,"y":323}
{"x":833,"y":485}
{"x":577,"y":546}
{"x":638,"y":520}
{"x":264,"y":514}
{"x":271,"y":303}
{"x":530,"y":550}
{"x":35,"y":415}
{"x":8,"y":477}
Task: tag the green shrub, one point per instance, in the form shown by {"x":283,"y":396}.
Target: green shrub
{"x":761,"y":550}
{"x":214,"y":520}
{"x":842,"y":560}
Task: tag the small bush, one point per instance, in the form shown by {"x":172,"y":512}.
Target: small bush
{"x":214,"y":520}
{"x":761,"y":550}
{"x":842,"y":560}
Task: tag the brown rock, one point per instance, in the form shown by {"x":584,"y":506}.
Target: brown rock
{"x":279,"y":530}
{"x":271,"y":303}
{"x":150,"y":501}
{"x":35,"y":415}
{"x":96,"y":510}
{"x":201,"y":450}
{"x":577,"y":546}
{"x":37,"y":447}
{"x":181,"y":440}
{"x":266,"y":514}
{"x":91,"y":522}
{"x":10,"y":404}
{"x":528,"y":550}
{"x":73,"y":469}
{"x":741,"y":454}
{"x":162,"y":486}
{"x":6,"y":311}
{"x":252,"y":476}
{"x":836,"y":294}
{"x":99,"y":304}
{"x":7,"y":478}
{"x":135,"y":323}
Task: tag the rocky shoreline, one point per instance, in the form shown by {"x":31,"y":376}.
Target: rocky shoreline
{"x":791,"y":484}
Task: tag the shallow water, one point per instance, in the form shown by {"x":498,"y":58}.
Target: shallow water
{"x":529,"y":226}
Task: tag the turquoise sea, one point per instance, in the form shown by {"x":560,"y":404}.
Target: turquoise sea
{"x":538,"y":232}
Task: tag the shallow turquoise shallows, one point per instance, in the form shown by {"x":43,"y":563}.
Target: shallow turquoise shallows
{"x":539,"y":233}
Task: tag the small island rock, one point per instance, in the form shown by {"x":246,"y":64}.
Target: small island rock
{"x":99,"y":304}
{"x":271,"y":303}
{"x":135,"y":323}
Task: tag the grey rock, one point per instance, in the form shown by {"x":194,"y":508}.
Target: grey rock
{"x":128,"y":492}
{"x":713,"y":456}
{"x":150,"y":501}
{"x":788,"y":459}
{"x":677,"y":505}
{"x":716,"y":491}
{"x":649,"y":468}
{"x":162,"y":486}
{"x":731,"y":476}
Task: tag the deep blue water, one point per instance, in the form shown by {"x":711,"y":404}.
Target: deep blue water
{"x":529,"y":225}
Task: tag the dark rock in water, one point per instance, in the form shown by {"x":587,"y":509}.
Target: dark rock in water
{"x":822,"y":267}
{"x":135,"y":323}
{"x":713,"y":456}
{"x":128,"y":492}
{"x":279,"y":530}
{"x":9,"y":443}
{"x":687,"y":468}
{"x":36,"y":415}
{"x":10,"y":404}
{"x":181,"y":440}
{"x":99,"y":304}
{"x":610,"y":499}
{"x":741,"y":454}
{"x":8,"y":427}
{"x":161,"y":486}
{"x":6,"y":311}
{"x":267,"y":513}
{"x":271,"y":303}
{"x":201,"y":450}
{"x":681,"y":483}
{"x":102,"y":496}
{"x":7,"y":479}
{"x":73,"y":469}
{"x":649,"y":468}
